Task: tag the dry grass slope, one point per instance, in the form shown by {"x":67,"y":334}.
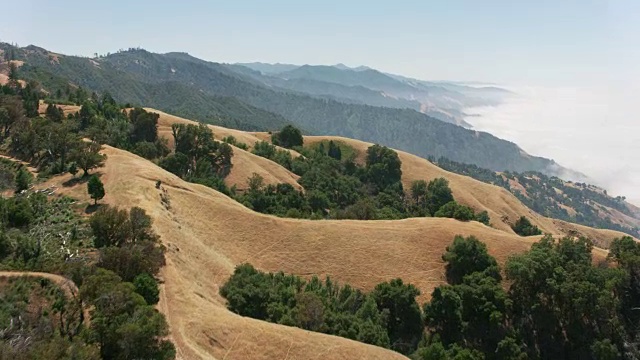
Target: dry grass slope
{"x":207,"y":234}
{"x":503,"y":207}
{"x":244,"y":162}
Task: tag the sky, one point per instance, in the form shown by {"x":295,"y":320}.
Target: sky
{"x":574,"y":63}
{"x":566,"y":42}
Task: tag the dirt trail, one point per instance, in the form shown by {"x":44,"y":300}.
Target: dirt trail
{"x":28,"y":166}
{"x":69,"y":287}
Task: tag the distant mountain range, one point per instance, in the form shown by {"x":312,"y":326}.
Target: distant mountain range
{"x":359,"y":103}
{"x":445,"y":101}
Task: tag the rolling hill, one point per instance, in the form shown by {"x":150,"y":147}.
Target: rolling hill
{"x":207,"y":234}
{"x":503,"y":206}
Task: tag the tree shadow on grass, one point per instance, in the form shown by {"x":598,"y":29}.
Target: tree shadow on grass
{"x":91,"y":208}
{"x":79,"y":180}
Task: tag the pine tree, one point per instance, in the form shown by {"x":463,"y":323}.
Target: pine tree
{"x":23,"y":180}
{"x":95,"y":189}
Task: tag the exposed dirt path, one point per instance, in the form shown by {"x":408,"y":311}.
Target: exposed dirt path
{"x":28,"y":166}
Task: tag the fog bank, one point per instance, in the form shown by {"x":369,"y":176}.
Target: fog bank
{"x":592,"y":130}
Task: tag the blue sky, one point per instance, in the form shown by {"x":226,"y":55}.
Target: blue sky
{"x":514,"y":42}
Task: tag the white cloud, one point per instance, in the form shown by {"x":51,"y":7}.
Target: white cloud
{"x":592,"y":130}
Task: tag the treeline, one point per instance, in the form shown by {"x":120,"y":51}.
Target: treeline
{"x":548,"y":195}
{"x":178,"y":98}
{"x":557,"y":304}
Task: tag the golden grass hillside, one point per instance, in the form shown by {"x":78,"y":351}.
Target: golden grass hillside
{"x":207,"y":234}
{"x":503,"y":207}
{"x":245,"y":164}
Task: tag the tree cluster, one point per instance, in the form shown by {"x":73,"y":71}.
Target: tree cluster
{"x":558,"y":304}
{"x":337,"y":187}
{"x":198,"y":157}
{"x":387,"y":317}
{"x":524,"y":227}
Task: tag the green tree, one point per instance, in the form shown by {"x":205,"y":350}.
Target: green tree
{"x":404,"y":321}
{"x":334,"y":151}
{"x":23,"y":179}
{"x":483,"y":217}
{"x":144,"y":126}
{"x":87,"y":114}
{"x":95,"y":188}
{"x":524,"y":227}
{"x":309,"y":311}
{"x":122,"y":324}
{"x":419,"y":192}
{"x":466,"y":256}
{"x":438,"y":194}
{"x":443,"y":314}
{"x":562,"y":304}
{"x":73,"y":169}
{"x":456,"y":211}
{"x":13,"y":73}
{"x":54,"y":113}
{"x":288,"y":137}
{"x":147,"y":286}
{"x":383,"y":166}
{"x":58,"y":140}
{"x":247,"y":292}
{"x":11,"y":113}
{"x":87,"y":156}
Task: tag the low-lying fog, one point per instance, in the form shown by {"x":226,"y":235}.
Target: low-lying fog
{"x":592,"y":130}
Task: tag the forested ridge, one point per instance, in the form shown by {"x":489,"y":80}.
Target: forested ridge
{"x":210,"y":92}
{"x":553,"y":197}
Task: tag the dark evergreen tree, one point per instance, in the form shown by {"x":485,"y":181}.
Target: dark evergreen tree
{"x":95,"y":188}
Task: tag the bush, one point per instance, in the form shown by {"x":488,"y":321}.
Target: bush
{"x":524,"y":227}
{"x":147,"y":286}
{"x":288,"y":137}
{"x":455,"y":211}
{"x":23,"y":179}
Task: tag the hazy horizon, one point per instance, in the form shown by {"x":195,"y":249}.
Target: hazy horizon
{"x":546,"y":43}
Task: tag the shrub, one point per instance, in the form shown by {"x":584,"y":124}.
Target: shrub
{"x":524,"y":227}
{"x":288,"y":137}
{"x":147,"y":286}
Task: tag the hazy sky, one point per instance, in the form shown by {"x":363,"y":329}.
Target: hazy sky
{"x":516,"y":42}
